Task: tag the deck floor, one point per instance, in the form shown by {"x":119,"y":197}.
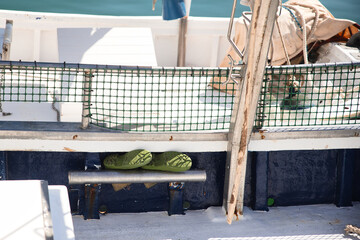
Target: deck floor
{"x":318,"y":222}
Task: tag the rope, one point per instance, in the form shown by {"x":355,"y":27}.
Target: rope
{"x":301,"y":26}
{"x":281,"y":36}
{"x":352,"y":229}
{"x":293,"y":82}
{"x":55,"y":109}
{"x":312,"y":30}
{"x":316,"y":20}
{"x":293,"y":15}
{"x":283,"y":43}
{"x":303,"y":32}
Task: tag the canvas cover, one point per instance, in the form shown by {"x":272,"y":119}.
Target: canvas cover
{"x":321,"y":27}
{"x":325,"y":28}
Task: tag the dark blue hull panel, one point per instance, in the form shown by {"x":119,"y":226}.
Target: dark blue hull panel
{"x":288,"y":177}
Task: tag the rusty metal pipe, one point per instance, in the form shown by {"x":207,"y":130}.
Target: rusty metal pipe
{"x":135,"y":176}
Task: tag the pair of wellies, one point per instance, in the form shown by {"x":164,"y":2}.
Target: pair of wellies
{"x":167,"y":161}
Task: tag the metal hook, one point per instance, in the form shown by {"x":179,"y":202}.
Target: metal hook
{"x":231,"y":76}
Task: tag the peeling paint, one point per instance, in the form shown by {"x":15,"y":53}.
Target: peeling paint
{"x":69,"y":149}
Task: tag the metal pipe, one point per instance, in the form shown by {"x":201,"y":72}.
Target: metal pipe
{"x":7,"y":40}
{"x":231,"y":23}
{"x":198,"y":70}
{"x":135,"y":176}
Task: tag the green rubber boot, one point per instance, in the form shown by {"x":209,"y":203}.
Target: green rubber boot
{"x":169,"y":161}
{"x":130,"y":160}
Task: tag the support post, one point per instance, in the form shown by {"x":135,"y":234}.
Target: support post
{"x":92,"y":191}
{"x":176,"y":198}
{"x":7,"y":40}
{"x":181,"y":55}
{"x":86,"y":100}
{"x":262,"y":24}
{"x":182,"y":42}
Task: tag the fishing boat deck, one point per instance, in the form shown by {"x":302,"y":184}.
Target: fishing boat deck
{"x":320,"y":222}
{"x":88,"y":107}
{"x":140,"y":101}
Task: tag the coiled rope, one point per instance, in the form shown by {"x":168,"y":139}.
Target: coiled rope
{"x":302,"y":26}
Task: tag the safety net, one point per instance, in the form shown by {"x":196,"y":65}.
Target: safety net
{"x":310,"y":95}
{"x":126,"y":98}
{"x":144,"y":99}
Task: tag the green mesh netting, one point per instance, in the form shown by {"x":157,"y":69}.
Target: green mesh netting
{"x":187,"y":99}
{"x":127,"y":98}
{"x":316,"y":95}
{"x":160,"y":100}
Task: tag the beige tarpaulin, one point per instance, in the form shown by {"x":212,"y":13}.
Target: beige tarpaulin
{"x":290,"y":22}
{"x":321,"y":27}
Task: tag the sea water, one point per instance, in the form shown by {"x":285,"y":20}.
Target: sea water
{"x":347,"y":9}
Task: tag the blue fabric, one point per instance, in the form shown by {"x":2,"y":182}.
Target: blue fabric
{"x":173,"y":9}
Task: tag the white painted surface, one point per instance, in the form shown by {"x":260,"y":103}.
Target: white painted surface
{"x":304,"y":144}
{"x":111,"y":46}
{"x":31,"y":111}
{"x":108,"y":46}
{"x":22,"y":212}
{"x":320,"y":222}
{"x":184,"y":146}
{"x":143,"y":41}
{"x":60,"y":212}
{"x":70,"y":112}
{"x":202,"y":32}
{"x":110,"y":146}
{"x":338,"y":52}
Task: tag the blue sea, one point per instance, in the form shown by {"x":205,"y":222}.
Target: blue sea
{"x":348,"y":9}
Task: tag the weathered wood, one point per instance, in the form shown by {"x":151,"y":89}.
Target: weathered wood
{"x":182,"y":42}
{"x":263,"y":19}
{"x":183,"y":25}
{"x":85,"y":119}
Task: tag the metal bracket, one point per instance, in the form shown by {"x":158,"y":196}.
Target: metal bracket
{"x":231,"y":23}
{"x":237,"y":50}
{"x":176,"y":198}
{"x":233,"y":77}
{"x":91,"y":191}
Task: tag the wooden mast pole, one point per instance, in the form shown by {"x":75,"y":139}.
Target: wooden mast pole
{"x":183,"y":23}
{"x":262,"y":24}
